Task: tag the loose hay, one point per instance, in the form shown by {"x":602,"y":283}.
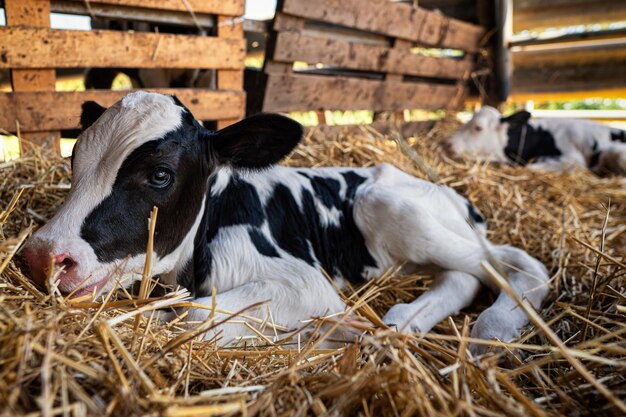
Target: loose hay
{"x":65,"y":358}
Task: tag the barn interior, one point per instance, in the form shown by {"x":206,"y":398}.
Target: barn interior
{"x":373,"y":81}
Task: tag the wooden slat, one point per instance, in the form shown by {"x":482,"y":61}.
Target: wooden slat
{"x":392,"y":19}
{"x":114,"y":12}
{"x":221,"y":7}
{"x":293,"y":46}
{"x":48,"y":48}
{"x":229,"y":79}
{"x":299,"y":92}
{"x":33,"y":13}
{"x":41,"y":111}
{"x":570,"y":53}
{"x":284,"y":22}
{"x":539,"y":14}
{"x":589,"y":78}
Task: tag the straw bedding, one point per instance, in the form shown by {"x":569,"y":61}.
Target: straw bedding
{"x":59,"y":357}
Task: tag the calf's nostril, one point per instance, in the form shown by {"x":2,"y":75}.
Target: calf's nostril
{"x":64,"y":261}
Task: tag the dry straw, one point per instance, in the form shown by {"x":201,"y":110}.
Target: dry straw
{"x":111,"y":356}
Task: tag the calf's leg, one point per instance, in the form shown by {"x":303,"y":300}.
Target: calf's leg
{"x":288,"y":305}
{"x":451,"y":291}
{"x":425,"y":224}
{"x":504,"y":319}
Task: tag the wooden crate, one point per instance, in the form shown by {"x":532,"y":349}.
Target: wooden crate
{"x":363,"y":51}
{"x":32,"y":50}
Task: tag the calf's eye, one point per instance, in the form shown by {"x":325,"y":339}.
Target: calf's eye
{"x":160,"y":178}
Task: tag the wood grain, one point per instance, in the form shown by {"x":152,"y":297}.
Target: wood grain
{"x":23,"y":47}
{"x":42,"y":111}
{"x":33,"y":13}
{"x":222,"y":7}
{"x":300,"y":92}
{"x":293,"y":46}
{"x":392,"y":19}
{"x":230,"y":79}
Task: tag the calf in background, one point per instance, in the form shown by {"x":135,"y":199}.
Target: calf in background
{"x":550,"y":144}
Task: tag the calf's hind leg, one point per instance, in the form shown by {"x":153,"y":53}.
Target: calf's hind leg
{"x":451,"y":292}
{"x":504,"y":319}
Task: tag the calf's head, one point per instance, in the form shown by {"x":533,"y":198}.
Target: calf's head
{"x":484,"y":137}
{"x":146,"y":150}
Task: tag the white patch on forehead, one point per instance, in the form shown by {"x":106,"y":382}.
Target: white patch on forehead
{"x":100,"y":151}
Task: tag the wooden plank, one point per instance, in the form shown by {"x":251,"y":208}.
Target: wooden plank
{"x":549,"y":39}
{"x":283,"y":22}
{"x":294,"y":46}
{"x":299,"y":92}
{"x":221,"y":7}
{"x":230,"y":79}
{"x":540,"y":14}
{"x":23,"y":47}
{"x":392,"y":19}
{"x":33,"y":13}
{"x":114,"y":12}
{"x":41,"y":111}
{"x":611,"y":92}
{"x":570,"y":53}
{"x":590,"y":78}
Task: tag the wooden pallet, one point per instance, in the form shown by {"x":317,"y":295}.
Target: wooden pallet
{"x":365,"y":51}
{"x":32,"y":50}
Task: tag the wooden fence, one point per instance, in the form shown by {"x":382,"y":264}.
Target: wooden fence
{"x":32,"y":51}
{"x":360,"y":54}
{"x":575,"y":64}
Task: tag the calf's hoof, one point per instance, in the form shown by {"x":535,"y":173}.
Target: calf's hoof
{"x":403,"y":318}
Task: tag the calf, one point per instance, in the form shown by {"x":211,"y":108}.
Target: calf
{"x":551,"y":144}
{"x":230,"y":219}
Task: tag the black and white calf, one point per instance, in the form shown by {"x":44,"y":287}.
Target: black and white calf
{"x":230,"y":219}
{"x":551,"y":144}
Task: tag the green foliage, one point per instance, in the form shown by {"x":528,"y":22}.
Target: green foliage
{"x":586,"y":104}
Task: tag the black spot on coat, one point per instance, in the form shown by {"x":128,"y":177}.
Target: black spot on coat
{"x":237,"y":204}
{"x":527,"y":143}
{"x":261,"y":244}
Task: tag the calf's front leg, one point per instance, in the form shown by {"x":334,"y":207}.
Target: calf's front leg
{"x":451,"y":292}
{"x":288,"y":304}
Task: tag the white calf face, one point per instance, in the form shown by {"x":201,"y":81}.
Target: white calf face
{"x":482,"y":138}
{"x":137,"y":155}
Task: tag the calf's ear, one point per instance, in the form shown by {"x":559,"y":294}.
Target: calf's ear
{"x":91,"y":112}
{"x":516,"y":119}
{"x":256,"y":142}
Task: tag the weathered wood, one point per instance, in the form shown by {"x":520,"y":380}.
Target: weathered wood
{"x":570,"y":53}
{"x":293,"y":46}
{"x":539,"y":14}
{"x":392,"y":19}
{"x":600,"y":35}
{"x":42,"y":111}
{"x":23,"y":47}
{"x":130,"y":13}
{"x":230,"y":79}
{"x":600,"y":76}
{"x":221,"y":7}
{"x":284,"y":22}
{"x":33,"y":13}
{"x":299,"y":92}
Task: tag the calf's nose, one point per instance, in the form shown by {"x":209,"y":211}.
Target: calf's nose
{"x":448,"y":148}
{"x":39,"y":259}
